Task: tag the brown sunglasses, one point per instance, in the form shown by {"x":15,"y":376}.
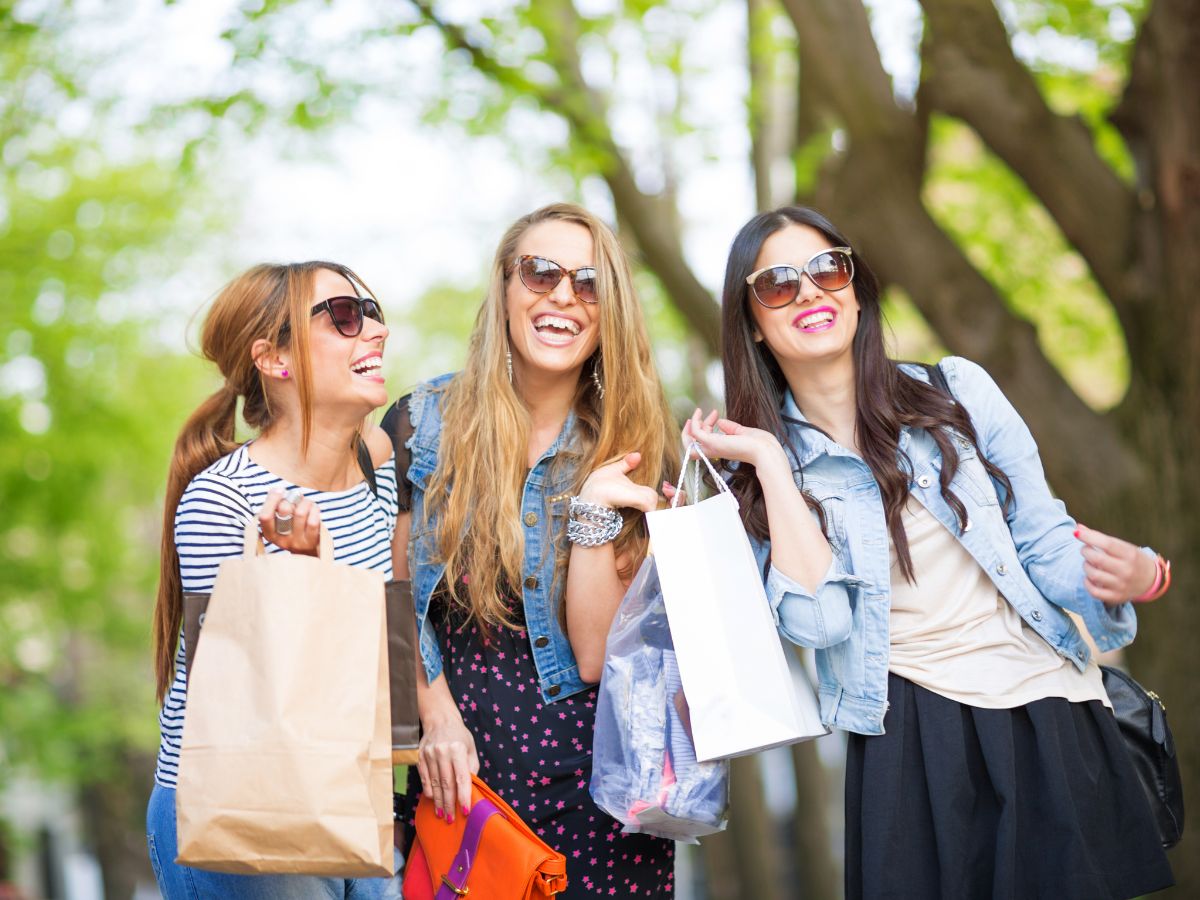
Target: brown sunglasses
{"x":542,"y":275}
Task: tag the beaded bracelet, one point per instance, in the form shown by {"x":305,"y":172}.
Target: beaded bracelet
{"x":1162,"y":581}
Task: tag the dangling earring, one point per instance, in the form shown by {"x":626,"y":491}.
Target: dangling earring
{"x":596,"y":379}
{"x":508,"y":362}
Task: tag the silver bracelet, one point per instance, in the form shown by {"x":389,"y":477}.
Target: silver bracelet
{"x":591,"y":524}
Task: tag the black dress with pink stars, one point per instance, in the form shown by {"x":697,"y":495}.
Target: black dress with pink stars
{"x":538,"y":757}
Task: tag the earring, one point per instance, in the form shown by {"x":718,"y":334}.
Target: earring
{"x":596,"y":380}
{"x":284,"y":373}
{"x":508,"y":362}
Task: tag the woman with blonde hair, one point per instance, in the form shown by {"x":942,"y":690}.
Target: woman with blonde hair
{"x":521,"y":465}
{"x":300,"y":347}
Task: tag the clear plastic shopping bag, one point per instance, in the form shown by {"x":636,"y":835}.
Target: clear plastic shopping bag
{"x":644,"y":768}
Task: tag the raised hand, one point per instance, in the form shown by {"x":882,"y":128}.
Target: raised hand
{"x":611,"y":486}
{"x":1114,"y":570}
{"x":727,"y":439}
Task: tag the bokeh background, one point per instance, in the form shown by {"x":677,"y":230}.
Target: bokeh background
{"x":1023,"y":174}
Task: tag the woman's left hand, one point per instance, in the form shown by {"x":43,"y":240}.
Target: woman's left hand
{"x":611,"y":486}
{"x":1114,"y":570}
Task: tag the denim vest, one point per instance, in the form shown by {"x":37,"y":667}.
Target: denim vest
{"x":544,"y":504}
{"x":1029,"y":552}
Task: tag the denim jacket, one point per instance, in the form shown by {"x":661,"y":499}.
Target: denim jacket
{"x":544,"y":504}
{"x":1029,"y":552}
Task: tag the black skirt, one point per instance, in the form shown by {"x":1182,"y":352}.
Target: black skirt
{"x":954,"y":801}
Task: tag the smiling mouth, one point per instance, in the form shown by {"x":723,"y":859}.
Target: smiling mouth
{"x":556,"y":329}
{"x":817,"y":320}
{"x":371,"y":367}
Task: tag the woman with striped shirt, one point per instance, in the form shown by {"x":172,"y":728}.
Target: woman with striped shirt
{"x":301,"y":346}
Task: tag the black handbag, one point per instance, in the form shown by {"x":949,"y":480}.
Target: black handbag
{"x":1142,"y":719}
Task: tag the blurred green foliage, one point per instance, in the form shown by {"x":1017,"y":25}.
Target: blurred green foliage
{"x":90,"y":400}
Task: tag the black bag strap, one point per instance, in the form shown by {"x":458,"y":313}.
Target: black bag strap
{"x":938,"y":379}
{"x":367,"y":465}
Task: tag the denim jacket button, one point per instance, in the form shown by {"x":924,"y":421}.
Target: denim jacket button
{"x":553,"y":690}
{"x":1001,"y":569}
{"x":1082,"y":654}
{"x":530,"y":519}
{"x":924,"y":481}
{"x":542,"y":641}
{"x":1036,"y":615}
{"x":531,"y":582}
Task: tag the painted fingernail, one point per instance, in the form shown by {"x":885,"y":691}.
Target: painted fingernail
{"x":449,"y":819}
{"x":466,"y":810}
{"x":439,"y":812}
{"x":1076,"y":532}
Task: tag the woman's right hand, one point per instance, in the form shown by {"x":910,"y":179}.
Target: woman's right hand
{"x":305,"y":536}
{"x":759,"y":448}
{"x":446,"y":760}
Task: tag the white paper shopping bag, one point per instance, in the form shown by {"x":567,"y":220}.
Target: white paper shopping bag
{"x":736,"y":679}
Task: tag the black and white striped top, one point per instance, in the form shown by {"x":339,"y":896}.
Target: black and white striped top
{"x":209,"y":526}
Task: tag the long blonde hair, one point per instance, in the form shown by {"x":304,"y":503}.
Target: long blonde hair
{"x":267,"y":302}
{"x":475,"y":492}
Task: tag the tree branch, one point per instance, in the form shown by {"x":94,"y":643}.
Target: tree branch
{"x":876,"y":194}
{"x":969,"y":71}
{"x":584,"y":110}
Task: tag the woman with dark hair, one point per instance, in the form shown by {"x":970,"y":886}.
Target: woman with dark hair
{"x":934,"y":576}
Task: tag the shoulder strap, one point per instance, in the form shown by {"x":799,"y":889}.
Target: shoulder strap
{"x":367,"y":465}
{"x":938,"y":379}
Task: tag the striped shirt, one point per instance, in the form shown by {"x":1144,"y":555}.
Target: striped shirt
{"x":209,"y":527}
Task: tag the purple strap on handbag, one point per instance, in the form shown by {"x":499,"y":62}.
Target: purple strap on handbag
{"x":454,"y":882}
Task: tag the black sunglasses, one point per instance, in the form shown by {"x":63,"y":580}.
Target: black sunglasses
{"x":348,"y":313}
{"x":777,"y":286}
{"x":542,"y":275}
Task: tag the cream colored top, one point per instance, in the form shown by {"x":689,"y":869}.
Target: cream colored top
{"x":954,"y":634}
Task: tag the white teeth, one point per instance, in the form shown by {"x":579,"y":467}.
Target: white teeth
{"x":547,"y":321}
{"x":367,"y":366}
{"x":817,"y":318}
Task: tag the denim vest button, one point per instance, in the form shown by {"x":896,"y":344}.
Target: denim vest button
{"x":1001,"y":569}
{"x":554,"y":689}
{"x":1037,"y":615}
{"x":542,"y":641}
{"x":530,"y":519}
{"x":924,"y":481}
{"x":531,"y":582}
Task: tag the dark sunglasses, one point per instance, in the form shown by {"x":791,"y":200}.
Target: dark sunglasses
{"x":777,"y":286}
{"x":348,"y":313}
{"x":542,"y":275}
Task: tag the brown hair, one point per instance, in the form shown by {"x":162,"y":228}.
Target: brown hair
{"x":268,"y":302}
{"x":475,"y":493}
{"x":887,"y":398}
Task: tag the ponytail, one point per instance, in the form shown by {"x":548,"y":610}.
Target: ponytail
{"x":205,"y":438}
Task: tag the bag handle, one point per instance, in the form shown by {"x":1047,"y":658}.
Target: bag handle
{"x":252,"y":543}
{"x":694,"y":447}
{"x":454,"y":882}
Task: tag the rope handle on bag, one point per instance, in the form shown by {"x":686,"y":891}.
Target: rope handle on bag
{"x":694,"y":447}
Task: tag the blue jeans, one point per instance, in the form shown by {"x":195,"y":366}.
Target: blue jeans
{"x":178,"y":882}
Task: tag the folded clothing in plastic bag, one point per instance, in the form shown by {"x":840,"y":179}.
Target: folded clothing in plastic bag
{"x":644,"y":768}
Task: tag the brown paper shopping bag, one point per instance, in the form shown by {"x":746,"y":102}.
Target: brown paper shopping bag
{"x":286,"y":756}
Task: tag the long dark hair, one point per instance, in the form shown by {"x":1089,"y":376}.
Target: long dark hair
{"x":886,"y":397}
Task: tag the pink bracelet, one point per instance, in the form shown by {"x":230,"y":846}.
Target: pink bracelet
{"x":1162,"y":581}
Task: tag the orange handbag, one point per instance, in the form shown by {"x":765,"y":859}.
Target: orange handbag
{"x":490,"y":854}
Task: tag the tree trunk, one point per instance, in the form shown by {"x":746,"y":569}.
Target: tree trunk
{"x":114,"y":810}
